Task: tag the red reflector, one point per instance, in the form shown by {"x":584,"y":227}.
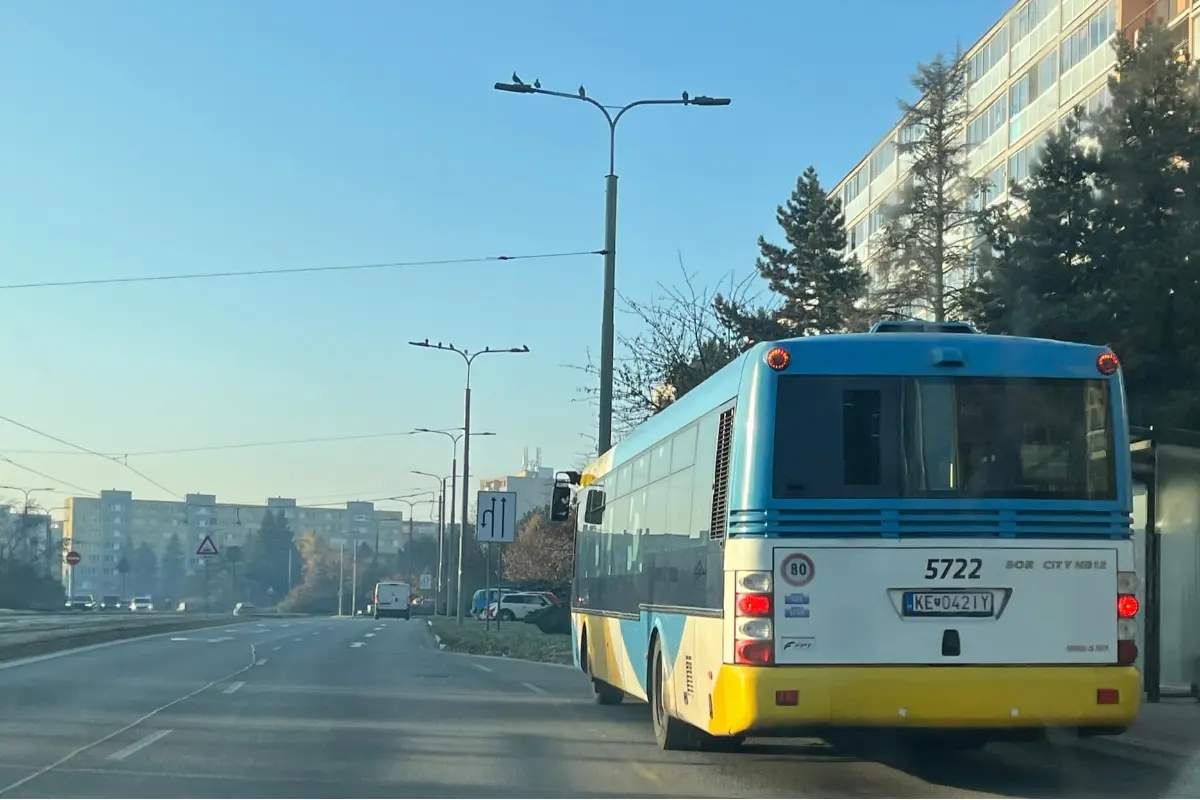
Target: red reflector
{"x":754,"y":605}
{"x":1108,"y":697}
{"x":787,"y":697}
{"x":1127,"y":652}
{"x":1107,"y":363}
{"x":751,"y":651}
{"x":778,"y":358}
{"x":1127,"y":606}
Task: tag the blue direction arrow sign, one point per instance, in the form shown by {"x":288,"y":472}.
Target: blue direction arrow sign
{"x":496,"y":517}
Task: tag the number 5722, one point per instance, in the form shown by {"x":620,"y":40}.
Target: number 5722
{"x":958,"y":569}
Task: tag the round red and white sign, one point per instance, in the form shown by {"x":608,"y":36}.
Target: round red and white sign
{"x":797,"y":569}
{"x":73,"y":558}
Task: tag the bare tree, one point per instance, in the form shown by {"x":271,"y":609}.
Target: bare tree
{"x":680,"y":341}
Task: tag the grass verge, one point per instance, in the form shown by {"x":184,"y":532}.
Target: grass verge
{"x":42,"y":642}
{"x":513,"y":640}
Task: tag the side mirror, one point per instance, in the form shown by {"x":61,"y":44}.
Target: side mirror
{"x":560,"y":503}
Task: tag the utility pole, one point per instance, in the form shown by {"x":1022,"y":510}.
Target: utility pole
{"x":341,"y":577}
{"x":607,"y":325}
{"x":354,"y":581}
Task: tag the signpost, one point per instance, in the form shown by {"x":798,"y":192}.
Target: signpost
{"x":207,"y":550}
{"x":495,"y":523}
{"x":426,"y":582}
{"x":72,"y":558}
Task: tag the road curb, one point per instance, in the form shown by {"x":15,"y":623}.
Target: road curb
{"x":85,"y":639}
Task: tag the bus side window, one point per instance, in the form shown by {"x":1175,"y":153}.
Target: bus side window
{"x":593,"y":510}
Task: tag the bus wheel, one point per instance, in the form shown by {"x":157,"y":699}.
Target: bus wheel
{"x":669,"y":732}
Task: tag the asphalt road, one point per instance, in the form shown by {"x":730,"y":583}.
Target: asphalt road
{"x":358,"y":708}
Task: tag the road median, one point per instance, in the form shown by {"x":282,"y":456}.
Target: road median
{"x":514,"y":640}
{"x":25,"y":643}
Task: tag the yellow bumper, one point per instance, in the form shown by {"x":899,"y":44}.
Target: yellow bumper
{"x":923,"y":697}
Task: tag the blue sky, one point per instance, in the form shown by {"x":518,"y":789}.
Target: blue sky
{"x":146,"y":137}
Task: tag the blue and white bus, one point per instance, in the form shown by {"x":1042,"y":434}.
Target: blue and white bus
{"x":921,"y":527}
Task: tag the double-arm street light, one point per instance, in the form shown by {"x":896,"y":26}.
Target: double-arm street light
{"x":469,"y":359}
{"x":25,"y":521}
{"x":454,"y":440}
{"x":607,"y":333}
{"x":441,"y":520}
{"x":412,"y":504}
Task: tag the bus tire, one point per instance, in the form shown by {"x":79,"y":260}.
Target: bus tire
{"x":670,"y":733}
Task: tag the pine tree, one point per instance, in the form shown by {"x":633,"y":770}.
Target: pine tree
{"x":816,"y":282}
{"x":171,"y":569}
{"x":1149,"y":139}
{"x":926,"y":255}
{"x":1050,"y":270}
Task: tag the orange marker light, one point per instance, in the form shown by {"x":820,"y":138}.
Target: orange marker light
{"x":1107,"y":363}
{"x":778,"y":358}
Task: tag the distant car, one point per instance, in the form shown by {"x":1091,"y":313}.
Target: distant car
{"x":242,"y":609}
{"x":82,"y":602}
{"x":141,"y":604}
{"x":112,"y":602}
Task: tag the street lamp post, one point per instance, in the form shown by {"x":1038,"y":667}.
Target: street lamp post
{"x":412,"y":504}
{"x":607,"y":328}
{"x":25,"y":521}
{"x":441,"y":481}
{"x":469,"y":359}
{"x":454,"y":439}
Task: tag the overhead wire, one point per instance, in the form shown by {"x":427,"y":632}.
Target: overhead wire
{"x":83,"y":449}
{"x":48,"y":476}
{"x":191,"y":276}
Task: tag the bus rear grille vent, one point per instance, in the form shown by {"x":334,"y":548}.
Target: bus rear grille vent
{"x":720,"y":505}
{"x":1003,"y":523}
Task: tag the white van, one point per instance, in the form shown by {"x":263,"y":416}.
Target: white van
{"x":392,"y":599}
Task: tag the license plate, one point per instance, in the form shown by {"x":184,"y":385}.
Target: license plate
{"x":949,"y":604}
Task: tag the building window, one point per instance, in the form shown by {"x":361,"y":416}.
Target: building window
{"x":1095,"y":33}
{"x":1029,"y":16}
{"x":884,"y":157}
{"x":1035,"y":83}
{"x":990,"y":55}
{"x":990,"y":122}
{"x":854,"y":187}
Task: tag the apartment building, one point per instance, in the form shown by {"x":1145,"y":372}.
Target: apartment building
{"x":105,"y":528}
{"x":533,"y":484}
{"x":1042,"y":59}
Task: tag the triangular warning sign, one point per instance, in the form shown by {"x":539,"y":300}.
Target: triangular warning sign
{"x":207,"y":548}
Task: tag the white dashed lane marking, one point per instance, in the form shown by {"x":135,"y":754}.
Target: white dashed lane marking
{"x":145,"y":741}
{"x":233,"y":687}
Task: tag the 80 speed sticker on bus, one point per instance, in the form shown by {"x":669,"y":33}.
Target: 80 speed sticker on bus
{"x":797,"y":569}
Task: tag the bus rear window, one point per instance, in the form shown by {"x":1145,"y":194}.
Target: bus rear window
{"x":865,"y":436}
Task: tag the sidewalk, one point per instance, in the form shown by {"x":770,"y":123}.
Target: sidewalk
{"x":1170,"y":728}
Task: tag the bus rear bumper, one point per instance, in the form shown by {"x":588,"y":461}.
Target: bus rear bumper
{"x":1097,"y":698}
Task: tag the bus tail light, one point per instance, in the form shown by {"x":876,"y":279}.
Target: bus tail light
{"x":753,"y":637}
{"x":1127,"y":611}
{"x":1107,"y":363}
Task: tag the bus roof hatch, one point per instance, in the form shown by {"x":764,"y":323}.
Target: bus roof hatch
{"x":919,"y":326}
